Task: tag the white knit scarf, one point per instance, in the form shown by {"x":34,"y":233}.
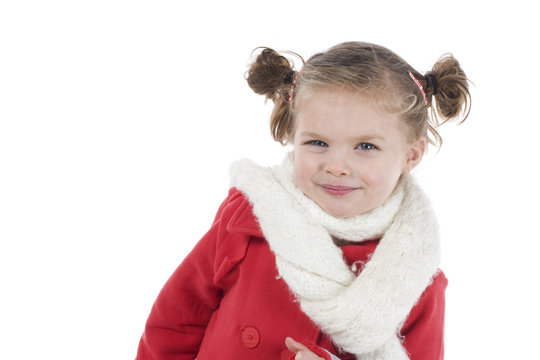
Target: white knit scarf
{"x":362,"y":314}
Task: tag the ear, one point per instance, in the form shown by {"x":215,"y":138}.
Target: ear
{"x":415,"y":153}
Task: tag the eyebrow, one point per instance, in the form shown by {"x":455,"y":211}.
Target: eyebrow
{"x":370,"y":137}
{"x":356,"y":138}
{"x":310,"y":134}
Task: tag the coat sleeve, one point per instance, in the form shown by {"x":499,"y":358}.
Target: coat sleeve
{"x":178,"y":319}
{"x":423,"y":330}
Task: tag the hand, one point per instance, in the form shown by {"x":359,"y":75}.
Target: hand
{"x":300,"y":350}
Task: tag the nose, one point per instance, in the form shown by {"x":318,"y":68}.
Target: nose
{"x":337,"y":164}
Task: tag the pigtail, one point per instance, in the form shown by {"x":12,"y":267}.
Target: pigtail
{"x":272,"y":75}
{"x":448,"y":85}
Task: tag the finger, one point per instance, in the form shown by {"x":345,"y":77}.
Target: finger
{"x":294,"y":346}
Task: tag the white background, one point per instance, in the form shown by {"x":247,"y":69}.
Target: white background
{"x":119,"y":120}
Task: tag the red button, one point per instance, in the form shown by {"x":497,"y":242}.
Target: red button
{"x":250,"y":337}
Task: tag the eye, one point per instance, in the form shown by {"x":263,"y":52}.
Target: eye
{"x":317,"y":143}
{"x":366,"y":146}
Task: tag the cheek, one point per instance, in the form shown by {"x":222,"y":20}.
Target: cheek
{"x":372,"y":170}
{"x":383,"y":174}
{"x":298,"y":169}
{"x":303,"y":169}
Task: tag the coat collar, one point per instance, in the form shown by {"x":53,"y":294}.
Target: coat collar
{"x":243,"y":221}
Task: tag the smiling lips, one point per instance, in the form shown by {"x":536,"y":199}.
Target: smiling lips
{"x":338,"y":190}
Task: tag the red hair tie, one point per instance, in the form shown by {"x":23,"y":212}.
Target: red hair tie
{"x":419,"y":86}
{"x":293,"y":85}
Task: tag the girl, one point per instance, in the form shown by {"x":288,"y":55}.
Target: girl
{"x":333,"y":254}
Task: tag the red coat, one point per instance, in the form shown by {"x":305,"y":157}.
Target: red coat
{"x":226,"y":301}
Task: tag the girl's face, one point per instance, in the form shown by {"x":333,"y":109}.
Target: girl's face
{"x":348,"y":153}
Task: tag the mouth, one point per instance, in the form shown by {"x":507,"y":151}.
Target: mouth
{"x":338,"y":190}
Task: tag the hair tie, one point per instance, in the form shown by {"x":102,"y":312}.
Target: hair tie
{"x":431,"y":80}
{"x":419,"y":86}
{"x":293,"y":85}
{"x":289,"y":77}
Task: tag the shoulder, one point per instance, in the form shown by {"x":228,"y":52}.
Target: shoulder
{"x":437,"y":287}
{"x":423,"y":330}
{"x":433,"y":296}
{"x":430,"y":307}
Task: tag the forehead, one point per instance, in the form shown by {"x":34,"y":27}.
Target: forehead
{"x":335,"y":110}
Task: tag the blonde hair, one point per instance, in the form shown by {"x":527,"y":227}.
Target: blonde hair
{"x":373,"y":70}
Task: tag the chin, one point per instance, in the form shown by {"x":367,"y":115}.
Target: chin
{"x":340,"y":213}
